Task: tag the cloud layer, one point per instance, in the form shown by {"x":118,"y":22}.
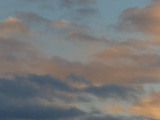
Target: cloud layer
{"x":65,"y":63}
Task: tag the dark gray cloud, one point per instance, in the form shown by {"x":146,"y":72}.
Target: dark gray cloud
{"x":79,"y":80}
{"x":35,"y":97}
{"x":38,"y":112}
{"x":113,"y":91}
{"x":17,"y":88}
{"x":49,"y":81}
{"x":37,"y":85}
{"x":20,"y":98}
{"x":33,"y":84}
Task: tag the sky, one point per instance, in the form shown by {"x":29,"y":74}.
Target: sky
{"x":79,"y":60}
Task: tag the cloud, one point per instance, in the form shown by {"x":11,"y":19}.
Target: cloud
{"x":17,"y":89}
{"x":35,"y":85}
{"x":148,"y":107}
{"x":35,"y":97}
{"x":141,"y":19}
{"x":115,"y":52}
{"x":112,"y":91}
{"x":35,"y":112}
{"x":14,"y":49}
{"x":97,"y":72}
{"x":13,"y":25}
{"x":115,"y":109}
{"x":32,"y":97}
{"x":54,"y":83}
{"x":32,"y":86}
{"x":45,"y":91}
{"x":78,"y":80}
{"x":23,"y":57}
{"x":131,"y":55}
{"x":63,"y":23}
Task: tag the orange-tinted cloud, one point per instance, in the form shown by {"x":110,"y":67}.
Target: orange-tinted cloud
{"x":115,"y":109}
{"x":114,"y":53}
{"x":13,"y":25}
{"x":148,"y":107}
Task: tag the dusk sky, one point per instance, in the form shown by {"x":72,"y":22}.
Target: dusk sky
{"x":79,"y":59}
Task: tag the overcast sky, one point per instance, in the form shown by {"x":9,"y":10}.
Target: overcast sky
{"x":79,"y":59}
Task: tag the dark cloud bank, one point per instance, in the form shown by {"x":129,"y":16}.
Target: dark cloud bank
{"x":21,"y":95}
